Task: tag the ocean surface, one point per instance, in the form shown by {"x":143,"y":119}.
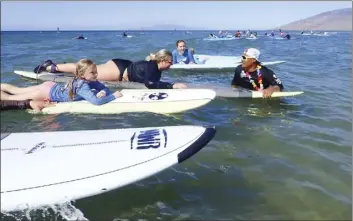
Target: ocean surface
{"x":276,"y":159}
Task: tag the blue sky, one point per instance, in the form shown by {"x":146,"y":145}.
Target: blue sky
{"x":120,"y":15}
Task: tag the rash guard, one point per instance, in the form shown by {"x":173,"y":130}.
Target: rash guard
{"x":147,"y":72}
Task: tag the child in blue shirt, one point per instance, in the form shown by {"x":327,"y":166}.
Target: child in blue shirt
{"x":84,"y":86}
{"x":181,"y":55}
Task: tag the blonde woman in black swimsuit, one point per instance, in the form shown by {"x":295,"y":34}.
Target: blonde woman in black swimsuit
{"x":148,"y":72}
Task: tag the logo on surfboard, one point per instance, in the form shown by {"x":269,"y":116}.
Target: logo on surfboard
{"x":38,"y":146}
{"x":147,"y":139}
{"x":152,"y":96}
{"x":158,"y":96}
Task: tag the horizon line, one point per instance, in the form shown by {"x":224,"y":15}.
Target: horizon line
{"x":144,"y":30}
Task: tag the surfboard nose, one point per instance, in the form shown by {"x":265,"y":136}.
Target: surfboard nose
{"x":196,"y":146}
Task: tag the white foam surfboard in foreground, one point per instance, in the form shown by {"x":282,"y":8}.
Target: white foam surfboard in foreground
{"x":160,"y":101}
{"x":46,"y":168}
{"x":244,"y":93}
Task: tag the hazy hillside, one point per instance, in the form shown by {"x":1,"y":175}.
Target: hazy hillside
{"x":336,"y":20}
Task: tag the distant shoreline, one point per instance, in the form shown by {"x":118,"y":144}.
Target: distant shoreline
{"x":172,"y":30}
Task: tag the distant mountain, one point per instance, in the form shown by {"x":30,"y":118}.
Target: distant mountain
{"x":336,"y":20}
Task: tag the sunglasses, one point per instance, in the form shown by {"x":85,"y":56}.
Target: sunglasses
{"x":244,"y":57}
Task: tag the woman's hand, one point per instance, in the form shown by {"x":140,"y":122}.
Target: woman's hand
{"x":179,"y":86}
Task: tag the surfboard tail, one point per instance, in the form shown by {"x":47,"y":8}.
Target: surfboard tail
{"x":195,"y":147}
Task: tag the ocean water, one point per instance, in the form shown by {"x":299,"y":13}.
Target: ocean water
{"x":277,"y":159}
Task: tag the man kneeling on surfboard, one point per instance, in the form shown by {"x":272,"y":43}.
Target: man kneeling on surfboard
{"x":253,"y":76}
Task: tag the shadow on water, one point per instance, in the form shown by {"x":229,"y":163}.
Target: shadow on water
{"x":168,"y":196}
{"x":180,"y":198}
{"x":265,"y":107}
{"x":14,"y":121}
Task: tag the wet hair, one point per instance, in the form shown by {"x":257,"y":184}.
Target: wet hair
{"x":151,"y":57}
{"x":81,"y":67}
{"x":178,"y":41}
{"x":159,"y":56}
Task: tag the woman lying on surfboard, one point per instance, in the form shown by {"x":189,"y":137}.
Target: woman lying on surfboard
{"x":78,"y":88}
{"x":253,"y":76}
{"x":146,"y":72}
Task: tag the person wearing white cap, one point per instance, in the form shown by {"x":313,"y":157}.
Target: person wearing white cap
{"x":252,"y":75}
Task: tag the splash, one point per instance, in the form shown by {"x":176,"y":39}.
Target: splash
{"x":64,"y":211}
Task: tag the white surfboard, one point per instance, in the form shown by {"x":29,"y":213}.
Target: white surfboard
{"x":158,"y":101}
{"x":218,"y":58}
{"x":220,"y":39}
{"x":213,"y":66}
{"x":276,"y":37}
{"x":236,"y":93}
{"x":65,"y":77}
{"x":244,"y":93}
{"x":46,"y":168}
{"x":128,"y":36}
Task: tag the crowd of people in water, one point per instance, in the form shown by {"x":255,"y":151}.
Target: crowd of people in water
{"x":249,"y":34}
{"x":85,"y":83}
{"x":81,"y":37}
{"x":237,"y":34}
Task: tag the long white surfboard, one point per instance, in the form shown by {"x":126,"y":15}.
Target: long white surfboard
{"x":213,"y":63}
{"x":216,"y":66}
{"x":241,"y":93}
{"x":65,"y":77}
{"x":158,"y":101}
{"x":244,"y":93}
{"x":45,"y":168}
{"x":216,"y":62}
